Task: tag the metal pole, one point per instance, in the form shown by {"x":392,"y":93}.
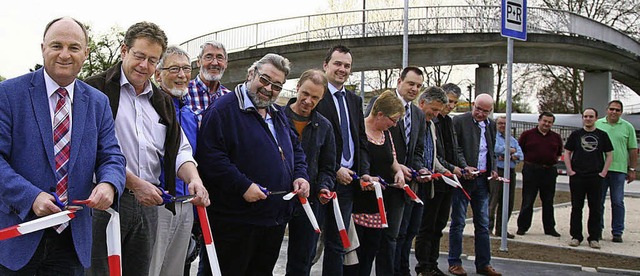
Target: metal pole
{"x":405,"y":36}
{"x":507,"y":148}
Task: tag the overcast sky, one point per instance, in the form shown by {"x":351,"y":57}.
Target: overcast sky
{"x":23,"y":21}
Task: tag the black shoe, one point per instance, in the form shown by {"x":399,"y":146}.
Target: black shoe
{"x":509,"y":235}
{"x":521,"y":232}
{"x":434,"y":272}
{"x":553,"y":233}
{"x":617,"y":238}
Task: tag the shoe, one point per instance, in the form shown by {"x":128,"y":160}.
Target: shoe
{"x":488,"y":270}
{"x":553,"y":233}
{"x":617,"y":238}
{"x":457,"y":270}
{"x":509,"y":235}
{"x":594,"y":244}
{"x":434,"y":272}
{"x":520,"y":232}
{"x":574,"y":242}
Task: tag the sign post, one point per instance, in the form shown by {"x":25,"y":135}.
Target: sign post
{"x":514,"y":26}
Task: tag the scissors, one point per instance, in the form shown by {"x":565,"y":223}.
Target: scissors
{"x":167,"y":198}
{"x":61,"y":204}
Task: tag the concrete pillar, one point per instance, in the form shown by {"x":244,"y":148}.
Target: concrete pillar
{"x":484,"y":80}
{"x":597,"y":91}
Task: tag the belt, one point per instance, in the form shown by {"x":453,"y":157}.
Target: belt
{"x":539,"y":165}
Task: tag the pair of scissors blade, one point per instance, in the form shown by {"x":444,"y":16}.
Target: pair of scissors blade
{"x":182,"y":199}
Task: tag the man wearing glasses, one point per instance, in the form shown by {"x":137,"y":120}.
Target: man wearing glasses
{"x":250,"y":157}
{"x":625,"y":158}
{"x":476,"y":135}
{"x":174,"y":232}
{"x":206,"y":87}
{"x":153,"y":145}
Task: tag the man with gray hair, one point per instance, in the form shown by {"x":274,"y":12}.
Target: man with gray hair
{"x":205,"y":88}
{"x":249,"y":157}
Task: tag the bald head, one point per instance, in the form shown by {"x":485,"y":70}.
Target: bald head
{"x":482,"y":107}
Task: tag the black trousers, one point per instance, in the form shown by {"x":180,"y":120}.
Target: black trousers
{"x":245,"y":249}
{"x":536,"y":179}
{"x":591,"y":188}
{"x":434,"y":219}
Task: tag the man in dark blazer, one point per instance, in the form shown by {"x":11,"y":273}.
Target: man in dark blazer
{"x":351,"y":144}
{"x":29,"y":174}
{"x":476,"y":135}
{"x":408,"y":138}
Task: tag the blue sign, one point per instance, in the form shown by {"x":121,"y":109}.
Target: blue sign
{"x":514,"y":19}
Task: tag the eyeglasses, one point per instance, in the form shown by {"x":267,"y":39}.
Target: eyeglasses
{"x":485,"y":111}
{"x":176,"y":69}
{"x":615,"y":109}
{"x":395,"y":121}
{"x":264,"y":80}
{"x":142,"y":57}
{"x":211,"y":57}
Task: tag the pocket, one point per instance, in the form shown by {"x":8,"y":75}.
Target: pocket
{"x":158,"y":135}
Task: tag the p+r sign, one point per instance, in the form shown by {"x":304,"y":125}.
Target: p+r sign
{"x":514,"y":19}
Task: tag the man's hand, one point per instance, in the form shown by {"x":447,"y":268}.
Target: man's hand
{"x":323,"y":200}
{"x":367,"y":178}
{"x":571,"y":172}
{"x":254,"y":193}
{"x":301,"y":187}
{"x":422,"y":172}
{"x":494,"y":175}
{"x":101,"y":196}
{"x":406,"y":172}
{"x":147,"y":194}
{"x":602,"y":174}
{"x":457,"y":171}
{"x":631,"y":176}
{"x":398,"y":178}
{"x":44,"y":205}
{"x":202,"y":195}
{"x":343,"y":176}
{"x":469,"y":174}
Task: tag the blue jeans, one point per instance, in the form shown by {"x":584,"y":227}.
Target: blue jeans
{"x":55,"y":255}
{"x":303,"y":238}
{"x":615,"y":181}
{"x":333,"y":249}
{"x":480,"y":207}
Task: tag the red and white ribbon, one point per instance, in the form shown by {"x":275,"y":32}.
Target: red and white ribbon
{"x":208,"y":241}
{"x":499,"y":178}
{"x":455,"y":183}
{"x":114,"y":249}
{"x":36,"y":224}
{"x":309,"y":212}
{"x":337,"y":214}
{"x":412,"y":195}
{"x":383,"y":214}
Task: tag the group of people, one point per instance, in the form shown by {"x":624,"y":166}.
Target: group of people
{"x":144,"y":131}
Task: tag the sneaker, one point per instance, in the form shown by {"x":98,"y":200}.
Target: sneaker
{"x":594,"y":244}
{"x":574,"y":242}
{"x":617,"y":238}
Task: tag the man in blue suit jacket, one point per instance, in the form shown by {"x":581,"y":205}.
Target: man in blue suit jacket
{"x":27,"y":165}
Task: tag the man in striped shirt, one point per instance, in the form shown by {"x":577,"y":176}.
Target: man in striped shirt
{"x":206,"y":87}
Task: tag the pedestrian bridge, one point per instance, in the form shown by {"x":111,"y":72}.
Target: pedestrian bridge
{"x":442,"y":35}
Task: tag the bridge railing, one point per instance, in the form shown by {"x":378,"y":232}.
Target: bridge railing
{"x":389,"y":21}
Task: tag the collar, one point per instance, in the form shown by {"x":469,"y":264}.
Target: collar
{"x":124,"y":81}
{"x":404,"y":103}
{"x":245,"y":103}
{"x":333,"y":89}
{"x":52,"y":86}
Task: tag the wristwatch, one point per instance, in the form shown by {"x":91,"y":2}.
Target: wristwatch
{"x":632,"y":169}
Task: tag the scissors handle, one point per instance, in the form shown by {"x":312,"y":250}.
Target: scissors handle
{"x":58,"y":202}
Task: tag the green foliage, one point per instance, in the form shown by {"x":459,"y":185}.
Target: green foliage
{"x":104,"y":52}
{"x":2,"y":78}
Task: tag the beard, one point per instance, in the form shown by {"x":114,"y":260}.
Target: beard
{"x":257,"y":101}
{"x":178,"y":93}
{"x":212,"y":77}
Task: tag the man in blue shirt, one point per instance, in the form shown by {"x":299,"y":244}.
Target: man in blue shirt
{"x":496,"y":187}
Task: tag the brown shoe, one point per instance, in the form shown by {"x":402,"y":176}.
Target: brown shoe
{"x":488,"y":270}
{"x":457,"y":270}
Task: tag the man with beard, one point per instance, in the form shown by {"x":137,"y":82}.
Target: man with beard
{"x":206,"y":87}
{"x":249,"y":157}
{"x":174,"y":232}
{"x":588,"y":154}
